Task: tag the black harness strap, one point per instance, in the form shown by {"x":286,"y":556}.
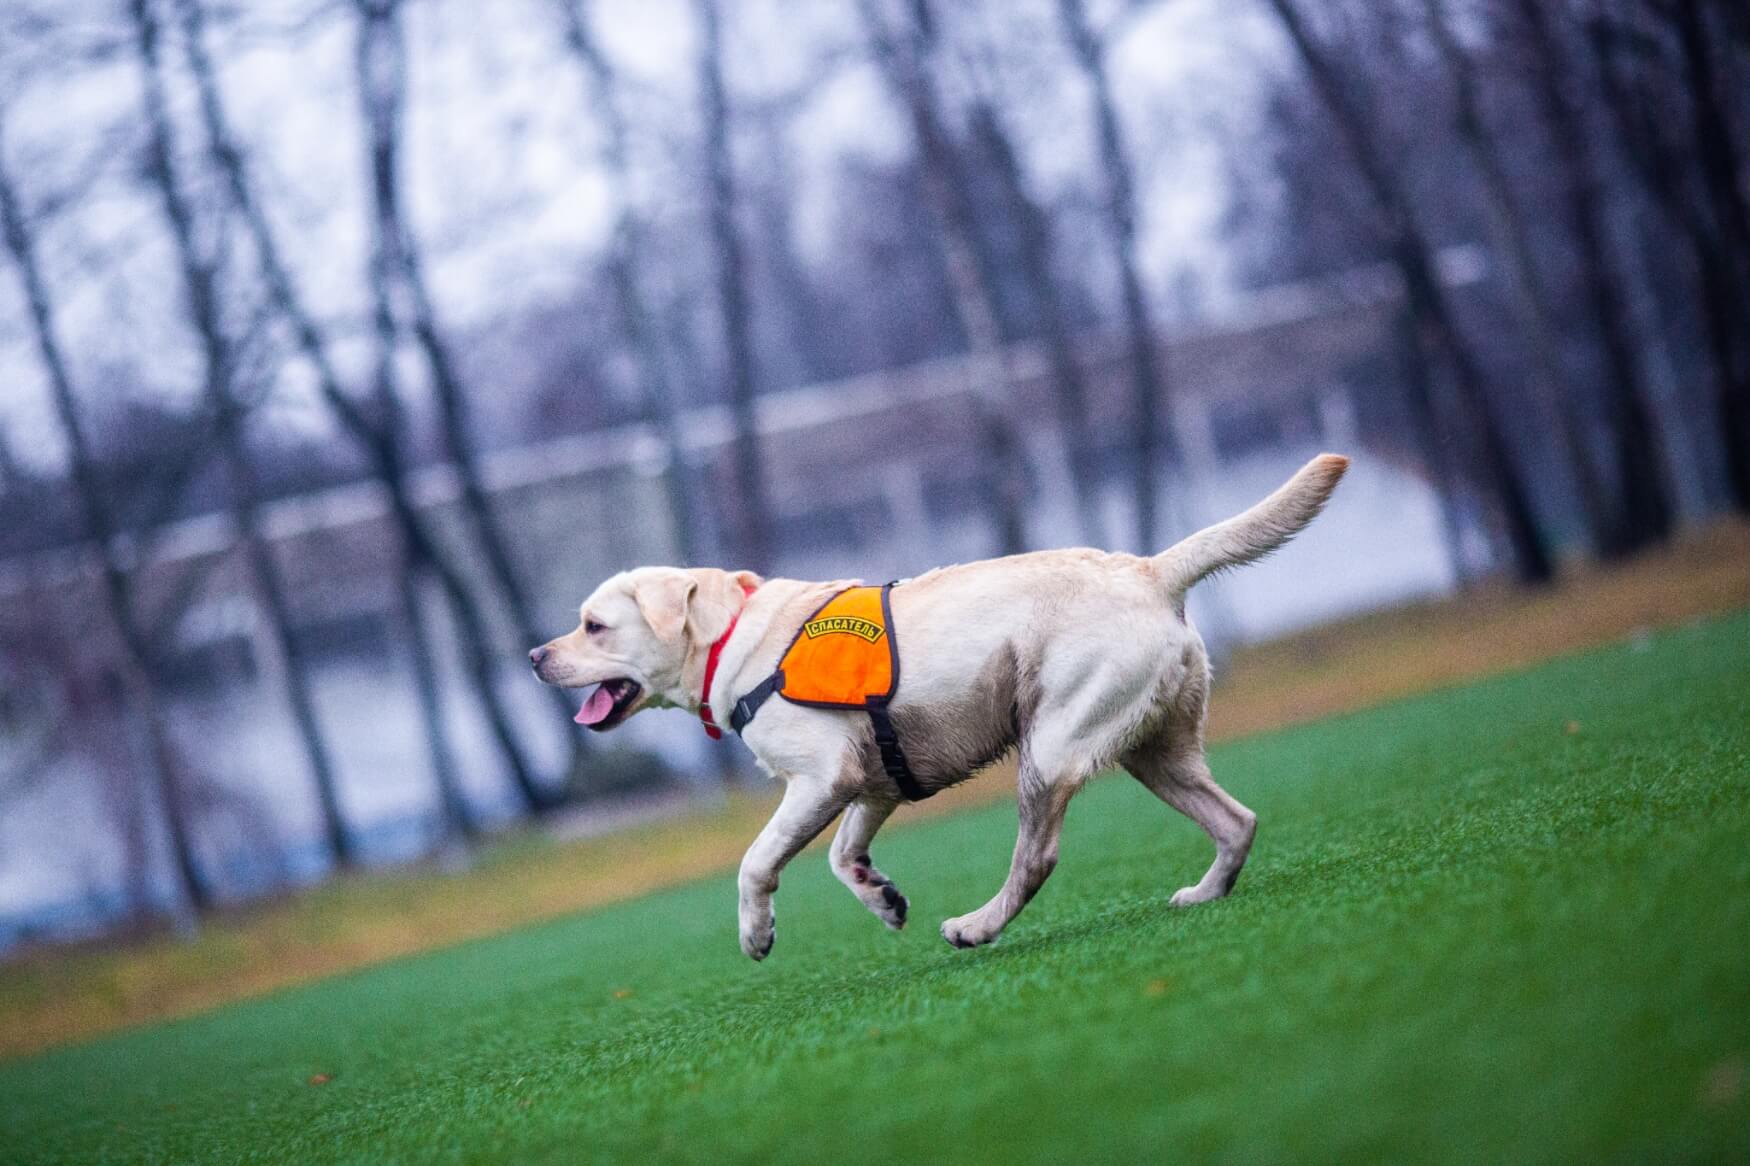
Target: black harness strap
{"x":893,"y":760}
{"x":892,"y":756}
{"x":750,"y":704}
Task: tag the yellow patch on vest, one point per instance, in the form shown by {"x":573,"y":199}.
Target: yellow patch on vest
{"x":846,"y":625}
{"x":843,"y":656}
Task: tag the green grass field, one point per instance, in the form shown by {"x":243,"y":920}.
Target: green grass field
{"x":1505,"y":922}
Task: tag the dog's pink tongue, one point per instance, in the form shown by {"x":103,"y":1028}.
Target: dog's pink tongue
{"x":597,"y":707}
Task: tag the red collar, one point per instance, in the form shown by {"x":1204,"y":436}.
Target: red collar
{"x":711,"y":658}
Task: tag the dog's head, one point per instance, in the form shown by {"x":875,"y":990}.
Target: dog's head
{"x":639,"y":637}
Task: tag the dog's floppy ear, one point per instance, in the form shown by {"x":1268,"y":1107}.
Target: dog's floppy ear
{"x":720,"y":595}
{"x":663,"y":602}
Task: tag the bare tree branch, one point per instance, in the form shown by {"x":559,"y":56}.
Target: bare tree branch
{"x":1721,"y":160}
{"x":1639,"y":499}
{"x":200,"y":276}
{"x":381,"y":66}
{"x":1149,"y":399}
{"x":1033,"y":226}
{"x":379,"y":437}
{"x":1436,"y":331}
{"x":137,"y":671}
{"x":752,"y":514}
{"x":1556,"y":396}
{"x":904,"y":60}
{"x":627,"y":261}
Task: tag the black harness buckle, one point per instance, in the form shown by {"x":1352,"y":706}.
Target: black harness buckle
{"x":747,"y":706}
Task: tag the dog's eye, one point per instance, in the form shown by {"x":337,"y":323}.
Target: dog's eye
{"x":592,"y":626}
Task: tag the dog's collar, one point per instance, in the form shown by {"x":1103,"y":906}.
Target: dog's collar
{"x":712,"y":658}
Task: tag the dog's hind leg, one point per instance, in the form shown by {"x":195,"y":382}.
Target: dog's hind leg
{"x":1042,"y":801}
{"x":1173,"y":766}
{"x":850,"y":861}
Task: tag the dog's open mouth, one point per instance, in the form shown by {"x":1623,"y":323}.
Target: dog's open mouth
{"x":609,"y":703}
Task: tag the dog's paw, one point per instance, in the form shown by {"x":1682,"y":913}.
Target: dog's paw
{"x":1191,"y":896}
{"x":965,"y":932}
{"x":757,"y":938}
{"x":892,"y":908}
{"x":875,"y":891}
{"x":757,"y":947}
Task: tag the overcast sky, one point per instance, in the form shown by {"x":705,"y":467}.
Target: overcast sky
{"x":500,"y":171}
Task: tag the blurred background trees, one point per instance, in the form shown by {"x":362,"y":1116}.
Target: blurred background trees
{"x":348,"y":345}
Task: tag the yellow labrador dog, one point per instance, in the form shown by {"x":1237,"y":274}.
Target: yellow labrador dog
{"x":1077,"y":659}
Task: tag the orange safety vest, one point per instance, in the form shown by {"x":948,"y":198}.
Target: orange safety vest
{"x":844,"y":656}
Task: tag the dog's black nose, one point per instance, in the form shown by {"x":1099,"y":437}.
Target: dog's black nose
{"x":536,"y":656}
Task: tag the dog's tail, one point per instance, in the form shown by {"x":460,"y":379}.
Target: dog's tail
{"x":1248,"y":537}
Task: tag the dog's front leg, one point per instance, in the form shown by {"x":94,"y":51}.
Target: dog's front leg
{"x":809,"y":804}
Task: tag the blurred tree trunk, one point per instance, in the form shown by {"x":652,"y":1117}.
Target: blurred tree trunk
{"x":381,"y":70}
{"x":1664,"y":172}
{"x":390,"y":422}
{"x":135,"y":669}
{"x":1428,"y":412}
{"x":627,"y":263}
{"x":1558,"y":397}
{"x":1736,"y":18}
{"x":453,"y":806}
{"x":1070,"y":395}
{"x":1148,"y":384}
{"x":1642,"y":501}
{"x":1436,"y":330}
{"x":130,"y":805}
{"x":410,"y":577}
{"x":753,"y":523}
{"x":1722,"y":169}
{"x":774,"y":204}
{"x":904,"y":61}
{"x":201,"y":290}
{"x":419,"y":553}
{"x":1718,"y":151}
